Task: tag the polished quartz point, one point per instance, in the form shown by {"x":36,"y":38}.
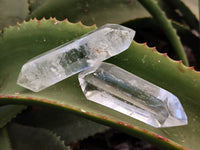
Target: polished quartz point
{"x":78,"y":55}
{"x":124,"y":92}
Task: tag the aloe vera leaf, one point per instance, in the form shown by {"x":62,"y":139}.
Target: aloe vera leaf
{"x":12,"y":12}
{"x":30,"y":138}
{"x":154,"y":36}
{"x":68,"y":126}
{"x":34,"y":37}
{"x":90,"y":11}
{"x":34,"y":4}
{"x":8,"y":112}
{"x":167,"y":28}
{"x":192,"y":5}
{"x":185,"y":13}
{"x":4,"y":139}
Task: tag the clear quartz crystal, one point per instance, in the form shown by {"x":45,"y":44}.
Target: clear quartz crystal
{"x":71,"y":58}
{"x":122,"y":91}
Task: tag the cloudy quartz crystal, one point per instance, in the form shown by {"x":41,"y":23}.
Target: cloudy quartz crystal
{"x":124,"y":92}
{"x":78,"y":55}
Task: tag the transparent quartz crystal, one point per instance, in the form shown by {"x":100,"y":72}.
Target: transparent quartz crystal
{"x":122,"y":91}
{"x":71,"y":58}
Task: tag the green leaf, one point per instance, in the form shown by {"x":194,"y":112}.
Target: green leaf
{"x":167,"y":28}
{"x":35,"y":4}
{"x":8,"y":112}
{"x":149,"y":31}
{"x":32,"y":38}
{"x":179,"y":9}
{"x":192,"y":4}
{"x":90,"y":11}
{"x":67,"y":125}
{"x":12,"y":12}
{"x":30,"y":138}
{"x":4,"y":139}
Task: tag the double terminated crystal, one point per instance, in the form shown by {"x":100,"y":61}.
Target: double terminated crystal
{"x":104,"y":83}
{"x":71,"y":58}
{"x":122,"y":91}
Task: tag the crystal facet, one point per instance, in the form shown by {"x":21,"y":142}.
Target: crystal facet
{"x":122,"y":91}
{"x":71,"y":58}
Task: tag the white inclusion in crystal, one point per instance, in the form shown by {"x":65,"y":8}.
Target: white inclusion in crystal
{"x":78,"y":55}
{"x":122,"y":91}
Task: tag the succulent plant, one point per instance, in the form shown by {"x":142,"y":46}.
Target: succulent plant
{"x":36,"y":120}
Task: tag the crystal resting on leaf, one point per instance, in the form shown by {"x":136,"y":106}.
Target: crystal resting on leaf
{"x":78,"y":55}
{"x":122,"y":91}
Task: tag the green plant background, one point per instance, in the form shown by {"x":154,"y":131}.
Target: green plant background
{"x":25,"y":40}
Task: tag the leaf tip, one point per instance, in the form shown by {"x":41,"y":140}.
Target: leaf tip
{"x":66,"y":20}
{"x":80,"y":23}
{"x":191,"y":67}
{"x":165,"y":54}
{"x":180,"y":61}
{"x":154,"y":49}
